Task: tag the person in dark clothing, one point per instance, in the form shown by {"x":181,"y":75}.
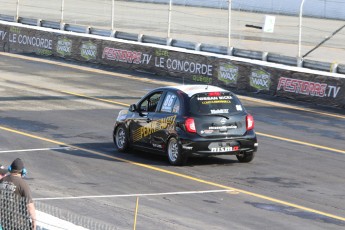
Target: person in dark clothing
{"x":17,"y":192}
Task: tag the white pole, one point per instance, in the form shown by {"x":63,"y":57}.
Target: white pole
{"x":17,"y":13}
{"x":300,"y":34}
{"x":169,"y":20}
{"x":112,"y":14}
{"x":62,"y":9}
{"x":229,"y":23}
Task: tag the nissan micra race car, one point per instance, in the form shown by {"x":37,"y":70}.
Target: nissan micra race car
{"x":186,"y":120}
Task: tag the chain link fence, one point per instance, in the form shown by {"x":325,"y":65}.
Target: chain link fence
{"x":14,"y":216}
{"x":13,"y":212}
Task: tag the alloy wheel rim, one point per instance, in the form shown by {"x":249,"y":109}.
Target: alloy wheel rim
{"x":173,"y":151}
{"x":120,"y":138}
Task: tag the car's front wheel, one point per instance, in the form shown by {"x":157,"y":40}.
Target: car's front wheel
{"x":121,"y":138}
{"x":245,"y":157}
{"x":175,"y":155}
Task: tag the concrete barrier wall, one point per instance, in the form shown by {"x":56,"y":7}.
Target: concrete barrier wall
{"x":237,"y":74}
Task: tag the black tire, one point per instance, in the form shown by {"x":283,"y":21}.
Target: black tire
{"x":245,"y":157}
{"x":120,"y":137}
{"x":175,"y":155}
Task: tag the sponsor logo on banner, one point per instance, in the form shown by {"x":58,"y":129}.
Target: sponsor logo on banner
{"x":2,"y":35}
{"x":260,"y":79}
{"x":183,"y":66}
{"x":228,"y":73}
{"x":27,"y":40}
{"x":120,"y":55}
{"x":88,"y":50}
{"x":64,"y":47}
{"x":309,"y":88}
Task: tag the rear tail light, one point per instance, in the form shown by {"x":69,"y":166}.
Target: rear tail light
{"x":190,"y":125}
{"x":214,"y":94}
{"x":249,"y":122}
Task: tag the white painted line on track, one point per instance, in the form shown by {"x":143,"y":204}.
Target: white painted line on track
{"x":135,"y":195}
{"x":34,"y":150}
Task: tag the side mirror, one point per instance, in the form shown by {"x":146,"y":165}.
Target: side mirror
{"x":132,"y":108}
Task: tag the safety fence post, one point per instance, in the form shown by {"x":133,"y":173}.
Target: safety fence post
{"x":17,"y":12}
{"x":299,"y":57}
{"x":112,"y":14}
{"x":229,"y":23}
{"x":169,"y":18}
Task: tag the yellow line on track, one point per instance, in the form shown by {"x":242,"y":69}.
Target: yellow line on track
{"x":301,"y":143}
{"x":93,"y":98}
{"x":267,"y":198}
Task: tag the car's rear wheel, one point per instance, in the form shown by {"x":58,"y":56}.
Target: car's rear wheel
{"x":175,"y":155}
{"x":121,"y":138}
{"x":245,"y":157}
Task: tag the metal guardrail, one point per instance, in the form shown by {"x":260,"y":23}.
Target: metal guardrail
{"x":249,"y":54}
{"x":7,"y":18}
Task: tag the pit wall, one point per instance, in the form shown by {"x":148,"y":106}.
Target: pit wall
{"x":237,"y":74}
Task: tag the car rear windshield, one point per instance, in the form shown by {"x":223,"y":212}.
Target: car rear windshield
{"x":215,"y":103}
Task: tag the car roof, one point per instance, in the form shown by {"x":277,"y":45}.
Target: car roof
{"x":191,"y":90}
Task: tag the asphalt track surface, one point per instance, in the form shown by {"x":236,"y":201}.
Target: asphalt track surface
{"x":58,"y":117}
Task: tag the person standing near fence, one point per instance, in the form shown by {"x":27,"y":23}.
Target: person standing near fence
{"x":16,"y":192}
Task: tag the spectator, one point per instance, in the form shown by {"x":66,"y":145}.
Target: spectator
{"x":14,"y":184}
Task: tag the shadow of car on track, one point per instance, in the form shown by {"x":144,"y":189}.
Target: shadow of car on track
{"x":107,"y":151}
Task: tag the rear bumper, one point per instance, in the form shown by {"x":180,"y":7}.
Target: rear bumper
{"x":221,"y":146}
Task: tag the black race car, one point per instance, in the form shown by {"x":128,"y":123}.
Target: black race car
{"x":186,"y":120}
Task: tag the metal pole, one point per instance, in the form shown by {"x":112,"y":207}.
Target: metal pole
{"x":229,"y":23}
{"x":17,"y":13}
{"x":62,"y":10}
{"x":169,"y":20}
{"x":112,"y":14}
{"x":300,"y":34}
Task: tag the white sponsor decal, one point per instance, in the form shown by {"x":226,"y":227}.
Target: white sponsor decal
{"x":215,"y":111}
{"x":239,"y":107}
{"x":222,"y":149}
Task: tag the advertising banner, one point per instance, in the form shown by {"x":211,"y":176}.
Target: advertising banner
{"x":185,"y":65}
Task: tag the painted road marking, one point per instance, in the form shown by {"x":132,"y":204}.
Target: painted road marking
{"x":147,"y":80}
{"x":302,"y":143}
{"x":135,"y":195}
{"x":180,"y":175}
{"x":34,"y":150}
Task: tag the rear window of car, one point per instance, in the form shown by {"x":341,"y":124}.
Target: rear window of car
{"x":215,"y":103}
